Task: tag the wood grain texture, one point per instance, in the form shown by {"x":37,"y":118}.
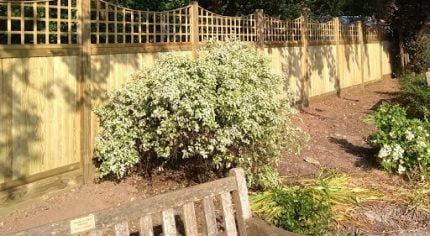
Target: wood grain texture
{"x":242,"y":192}
{"x":121,"y":229}
{"x":95,"y":233}
{"x":241,"y":200}
{"x":210,"y":217}
{"x":190,"y":220}
{"x":169,"y":225}
{"x":146,"y":227}
{"x":227,"y":209}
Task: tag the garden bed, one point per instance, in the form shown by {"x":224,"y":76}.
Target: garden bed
{"x":337,"y":129}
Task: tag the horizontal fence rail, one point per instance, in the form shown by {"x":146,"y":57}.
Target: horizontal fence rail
{"x":57,"y":22}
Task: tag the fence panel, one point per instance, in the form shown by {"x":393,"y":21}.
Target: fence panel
{"x":50,"y":22}
{"x":349,"y":32}
{"x":276,"y":30}
{"x":371,"y":33}
{"x":56,"y":22}
{"x":111,"y":24}
{"x":318,"y":31}
{"x":214,"y":26}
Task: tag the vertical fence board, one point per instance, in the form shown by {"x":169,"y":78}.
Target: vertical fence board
{"x":84,"y":89}
{"x":6,"y":100}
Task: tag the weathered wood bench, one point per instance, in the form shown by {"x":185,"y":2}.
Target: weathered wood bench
{"x":222,"y":208}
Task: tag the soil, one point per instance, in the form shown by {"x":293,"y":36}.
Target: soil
{"x":337,"y":128}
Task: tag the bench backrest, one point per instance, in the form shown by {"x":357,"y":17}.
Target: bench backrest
{"x":230,"y":194}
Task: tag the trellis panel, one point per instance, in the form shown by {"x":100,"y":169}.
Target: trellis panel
{"x":111,"y":24}
{"x":349,"y":32}
{"x":321,"y":31}
{"x":214,"y":26}
{"x":276,"y":30}
{"x":50,"y":22}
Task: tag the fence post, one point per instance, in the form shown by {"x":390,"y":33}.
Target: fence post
{"x":338,"y":66}
{"x":305,"y":83}
{"x":194,"y":15}
{"x":361,"y":41}
{"x":259,"y":28}
{"x":83,"y":91}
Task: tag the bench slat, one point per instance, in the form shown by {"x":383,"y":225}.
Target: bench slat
{"x":242,"y":193}
{"x":227,"y":209}
{"x":95,"y":233}
{"x":210,"y":218}
{"x":169,"y":226}
{"x":190,"y":220}
{"x":146,"y":227}
{"x":122,"y":229}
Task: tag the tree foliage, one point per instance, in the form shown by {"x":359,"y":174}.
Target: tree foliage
{"x":287,"y":9}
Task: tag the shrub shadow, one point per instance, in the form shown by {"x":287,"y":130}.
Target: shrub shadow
{"x":366,"y":157}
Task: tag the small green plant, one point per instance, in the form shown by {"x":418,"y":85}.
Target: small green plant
{"x":310,"y":207}
{"x":226,"y":106}
{"x":416,"y":95}
{"x":294,"y":209}
{"x":404,"y":144}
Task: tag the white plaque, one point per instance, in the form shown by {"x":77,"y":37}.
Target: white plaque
{"x":82,"y":224}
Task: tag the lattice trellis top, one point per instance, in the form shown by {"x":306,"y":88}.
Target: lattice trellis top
{"x":57,"y":22}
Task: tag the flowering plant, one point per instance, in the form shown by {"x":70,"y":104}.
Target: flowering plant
{"x":404,"y":144}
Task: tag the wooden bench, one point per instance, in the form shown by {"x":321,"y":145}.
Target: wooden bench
{"x":220,"y":207}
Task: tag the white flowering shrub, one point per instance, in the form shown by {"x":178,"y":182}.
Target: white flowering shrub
{"x":404,"y":143}
{"x":226,"y":107}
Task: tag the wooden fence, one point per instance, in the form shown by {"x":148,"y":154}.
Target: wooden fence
{"x":60,"y":58}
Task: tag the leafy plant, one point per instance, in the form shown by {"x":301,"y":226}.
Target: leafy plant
{"x":309,"y":207}
{"x":416,"y":95}
{"x":226,"y":106}
{"x":417,"y":48}
{"x":294,"y":209}
{"x":404,"y":143}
